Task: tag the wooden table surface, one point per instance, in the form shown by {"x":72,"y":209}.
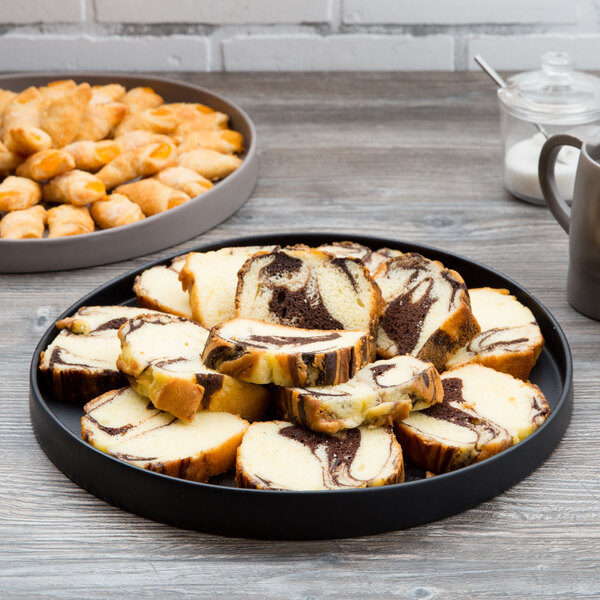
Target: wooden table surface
{"x":415,"y":157}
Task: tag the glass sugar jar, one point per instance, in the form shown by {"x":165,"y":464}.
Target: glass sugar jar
{"x":555,"y":99}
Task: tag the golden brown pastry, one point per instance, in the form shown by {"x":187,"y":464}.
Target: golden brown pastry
{"x":196,"y":117}
{"x":101,"y":94}
{"x":5,"y":97}
{"x":22,"y":116}
{"x":133,"y":140}
{"x":18,"y":193}
{"x":67,"y":219}
{"x":74,"y":187}
{"x":209,"y":164}
{"x":23,"y":224}
{"x":99,"y":120}
{"x":62,"y":117}
{"x":142,"y":162}
{"x":46,"y":164}
{"x":184,"y":180}
{"x":9,"y":160}
{"x":224,"y":141}
{"x":156,"y":120}
{"x":91,"y":156}
{"x":152,"y":196}
{"x":56,"y":89}
{"x":115,"y":210}
{"x":139,"y":98}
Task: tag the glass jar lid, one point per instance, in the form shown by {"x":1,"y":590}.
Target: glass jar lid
{"x":556,"y":94}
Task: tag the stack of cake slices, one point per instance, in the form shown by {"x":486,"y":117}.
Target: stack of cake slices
{"x":302,"y":368}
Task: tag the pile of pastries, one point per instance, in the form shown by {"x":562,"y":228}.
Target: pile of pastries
{"x":303,"y":368}
{"x":76,"y":157}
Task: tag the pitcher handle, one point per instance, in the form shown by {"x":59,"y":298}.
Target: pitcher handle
{"x":558,"y":206}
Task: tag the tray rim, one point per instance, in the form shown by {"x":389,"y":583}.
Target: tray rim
{"x":106,"y":236}
{"x":563,"y":404}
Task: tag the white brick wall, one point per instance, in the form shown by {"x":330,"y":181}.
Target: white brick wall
{"x":214,"y":12}
{"x":40,"y":11}
{"x":213,"y":35}
{"x":459,"y":11}
{"x":339,"y":52}
{"x":55,"y":52}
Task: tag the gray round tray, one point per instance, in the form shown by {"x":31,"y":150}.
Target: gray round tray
{"x":153,"y":233}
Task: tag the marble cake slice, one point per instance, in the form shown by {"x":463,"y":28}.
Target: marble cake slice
{"x":211,"y":278}
{"x":81,"y":362}
{"x":380,"y":394}
{"x":159,"y":288}
{"x":266,"y":353}
{"x":483,"y":412}
{"x":510,"y":340}
{"x":372,"y":259}
{"x":309,"y":289}
{"x":277,"y":455}
{"x":125,"y":425}
{"x":428,"y":311}
{"x":161,"y":356}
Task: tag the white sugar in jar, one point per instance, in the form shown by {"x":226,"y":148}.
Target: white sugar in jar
{"x":559,"y":99}
{"x":521,"y":169}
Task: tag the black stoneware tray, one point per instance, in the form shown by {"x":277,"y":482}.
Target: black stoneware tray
{"x":218,"y":507}
{"x":153,"y":233}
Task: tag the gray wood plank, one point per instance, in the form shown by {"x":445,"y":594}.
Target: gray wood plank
{"x":413,"y":156}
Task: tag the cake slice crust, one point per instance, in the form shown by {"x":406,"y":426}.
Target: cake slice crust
{"x":263,"y":353}
{"x":483,"y":412}
{"x":125,"y":425}
{"x":510,"y":340}
{"x":159,"y":288}
{"x":380,"y":394}
{"x":160,"y":354}
{"x":81,"y":362}
{"x":428,"y":311}
{"x":309,"y":289}
{"x":277,"y":455}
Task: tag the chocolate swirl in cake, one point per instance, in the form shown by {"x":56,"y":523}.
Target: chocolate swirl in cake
{"x":297,"y":301}
{"x":428,"y":312}
{"x":335,"y":453}
{"x":404,"y":317}
{"x":488,"y":341}
{"x":449,"y":412}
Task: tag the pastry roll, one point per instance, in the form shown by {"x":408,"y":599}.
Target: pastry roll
{"x":115,"y":210}
{"x":62,"y":117}
{"x":184,"y":180}
{"x":74,"y":187}
{"x":132,"y":140}
{"x":22,"y":118}
{"x":156,"y":120}
{"x":140,"y":98}
{"x":101,"y":94}
{"x":56,"y":89}
{"x":224,"y":141}
{"x":67,"y":219}
{"x":209,"y":164}
{"x":5,"y":97}
{"x":18,"y":193}
{"x":91,"y":156}
{"x":9,"y":160}
{"x":128,"y":165}
{"x":23,"y":224}
{"x":99,"y":120}
{"x":200,"y":122}
{"x":152,"y":196}
{"x":46,"y":164}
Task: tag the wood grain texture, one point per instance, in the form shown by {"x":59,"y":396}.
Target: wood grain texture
{"x":414,"y":156}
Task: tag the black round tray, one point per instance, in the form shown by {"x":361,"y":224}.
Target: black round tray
{"x":217,"y":507}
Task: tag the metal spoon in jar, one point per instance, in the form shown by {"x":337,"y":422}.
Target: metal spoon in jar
{"x":495,"y":77}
